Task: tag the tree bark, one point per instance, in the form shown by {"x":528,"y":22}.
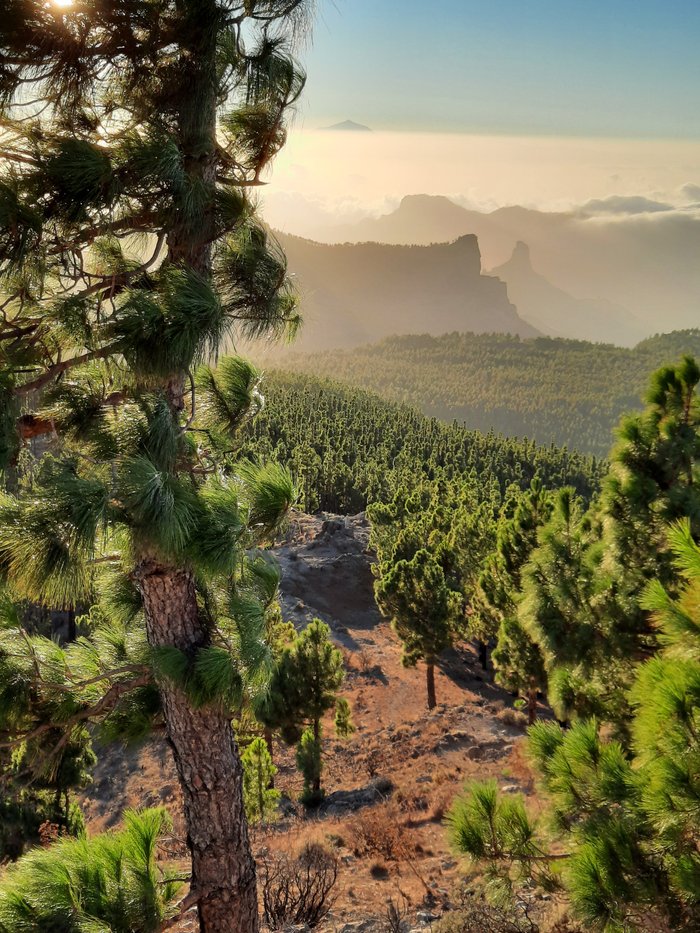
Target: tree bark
{"x":531,"y":706}
{"x":430,"y":682}
{"x":207,"y":761}
{"x":317,"y":739}
{"x":267,"y":735}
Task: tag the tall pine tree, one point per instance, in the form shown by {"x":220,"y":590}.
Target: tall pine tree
{"x":132,"y":134}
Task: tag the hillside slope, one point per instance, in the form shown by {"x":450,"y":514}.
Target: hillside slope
{"x":403,"y":765}
{"x":565,"y":392}
{"x":353,"y":294}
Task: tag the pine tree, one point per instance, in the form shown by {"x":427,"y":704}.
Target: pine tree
{"x":414,"y":595}
{"x":628,"y":818}
{"x":303,"y":687}
{"x":108,"y":882}
{"x":129,"y":251}
{"x":344,"y":726}
{"x":653,"y":481}
{"x":582,"y":589}
{"x":259,"y":796}
{"x":309,"y":757}
{"x":517,"y":659}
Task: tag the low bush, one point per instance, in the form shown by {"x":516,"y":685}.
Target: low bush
{"x":297,"y":890}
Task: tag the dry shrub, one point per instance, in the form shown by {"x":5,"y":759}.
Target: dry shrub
{"x":396,"y":919}
{"x":49,"y":833}
{"x":412,"y":801}
{"x":379,"y":832}
{"x":297,"y":890}
{"x":476,"y":915}
{"x":441,"y":802}
{"x":512,"y":717}
{"x":375,"y":761}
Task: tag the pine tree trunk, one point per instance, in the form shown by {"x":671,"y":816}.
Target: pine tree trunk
{"x":267,"y":735}
{"x":430,"y":682}
{"x":207,"y":761}
{"x":531,"y":706}
{"x":202,"y":740}
{"x":317,"y":776}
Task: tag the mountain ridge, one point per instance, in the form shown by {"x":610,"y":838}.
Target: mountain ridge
{"x":358,"y":293}
{"x":555,"y":312}
{"x":644,"y":262}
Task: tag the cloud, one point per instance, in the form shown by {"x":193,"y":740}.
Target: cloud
{"x":691,"y":192}
{"x":621,"y":204}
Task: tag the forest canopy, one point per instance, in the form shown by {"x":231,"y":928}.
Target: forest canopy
{"x":565,"y":392}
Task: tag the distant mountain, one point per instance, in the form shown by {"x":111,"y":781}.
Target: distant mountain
{"x":553,"y":311}
{"x":354,"y":294}
{"x":565,"y":392}
{"x":424,"y":219}
{"x":644,"y":261}
{"x":349,"y":125}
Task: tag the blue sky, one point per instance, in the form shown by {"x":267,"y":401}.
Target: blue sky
{"x":554,"y":67}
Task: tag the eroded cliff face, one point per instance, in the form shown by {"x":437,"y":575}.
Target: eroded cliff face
{"x":358,"y":293}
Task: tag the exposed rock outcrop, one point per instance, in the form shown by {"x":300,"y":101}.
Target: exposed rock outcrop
{"x":355,"y":294}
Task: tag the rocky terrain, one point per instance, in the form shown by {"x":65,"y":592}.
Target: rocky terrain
{"x":390,"y":784}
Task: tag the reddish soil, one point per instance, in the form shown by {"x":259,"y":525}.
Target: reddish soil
{"x":404,"y":764}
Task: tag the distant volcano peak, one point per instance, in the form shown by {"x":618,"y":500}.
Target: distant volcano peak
{"x":349,"y":125}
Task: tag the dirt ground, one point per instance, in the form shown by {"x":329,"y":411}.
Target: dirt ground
{"x":395,"y":777}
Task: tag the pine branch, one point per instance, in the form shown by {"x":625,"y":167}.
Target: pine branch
{"x":58,"y":368}
{"x":104,"y":705}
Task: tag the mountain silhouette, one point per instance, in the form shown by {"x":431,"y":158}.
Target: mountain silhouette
{"x":555,"y":312}
{"x":349,"y":125}
{"x":644,"y":262}
{"x":358,"y":293}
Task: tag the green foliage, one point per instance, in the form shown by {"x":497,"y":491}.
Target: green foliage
{"x":109,"y":882}
{"x":627,"y":818}
{"x":517,"y":659}
{"x":303,"y":687}
{"x":423,"y":610}
{"x":496,"y":831}
{"x":483,"y":824}
{"x":414,"y":595}
{"x":259,"y":796}
{"x":348,"y":448}
{"x":344,"y":726}
{"x":305,"y":682}
{"x":581,"y":599}
{"x":310,"y":763}
{"x":565,"y":392}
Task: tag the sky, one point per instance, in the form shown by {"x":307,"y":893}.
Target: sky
{"x":546,"y":103}
{"x":560,"y":67}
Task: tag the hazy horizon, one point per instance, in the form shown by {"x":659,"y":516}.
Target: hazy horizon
{"x":337,"y":177}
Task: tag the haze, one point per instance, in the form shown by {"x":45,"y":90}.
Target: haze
{"x":323,"y":177}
